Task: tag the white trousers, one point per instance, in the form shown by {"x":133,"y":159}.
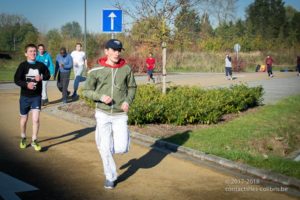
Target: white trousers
{"x":78,"y":69}
{"x":112,"y":136}
{"x":44,"y":90}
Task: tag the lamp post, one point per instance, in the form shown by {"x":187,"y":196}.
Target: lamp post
{"x":85,"y":26}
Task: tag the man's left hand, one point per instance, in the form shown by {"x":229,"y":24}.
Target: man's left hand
{"x":125,"y":107}
{"x":38,"y":78}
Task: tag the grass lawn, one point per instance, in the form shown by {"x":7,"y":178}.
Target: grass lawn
{"x":263,"y":138}
{"x":7,"y":75}
{"x":8,"y":69}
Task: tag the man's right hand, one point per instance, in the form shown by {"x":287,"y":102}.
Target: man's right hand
{"x":106,"y":99}
{"x":31,"y":85}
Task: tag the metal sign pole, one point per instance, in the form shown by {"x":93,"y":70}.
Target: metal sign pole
{"x":164,"y":71}
{"x":237,"y":48}
{"x":237,"y":61}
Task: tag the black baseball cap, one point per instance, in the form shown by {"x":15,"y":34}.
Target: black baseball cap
{"x":114,"y":44}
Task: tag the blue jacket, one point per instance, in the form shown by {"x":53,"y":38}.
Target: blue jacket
{"x":66,"y":60}
{"x":47,"y":60}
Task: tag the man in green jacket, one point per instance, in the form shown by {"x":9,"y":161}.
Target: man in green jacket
{"x":112,"y":86}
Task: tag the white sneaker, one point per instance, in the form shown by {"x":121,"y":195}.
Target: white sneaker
{"x":109,"y":184}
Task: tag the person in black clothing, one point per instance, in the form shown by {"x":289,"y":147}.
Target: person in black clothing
{"x":29,"y":77}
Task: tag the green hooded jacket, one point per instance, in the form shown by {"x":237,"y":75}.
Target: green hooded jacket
{"x":117,"y":81}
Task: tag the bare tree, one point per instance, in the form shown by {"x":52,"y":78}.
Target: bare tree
{"x":222,"y":11}
{"x":13,"y":30}
{"x":7,"y":20}
{"x":163,"y":11}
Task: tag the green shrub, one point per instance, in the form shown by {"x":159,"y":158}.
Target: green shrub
{"x":148,"y":106}
{"x":189,"y":105}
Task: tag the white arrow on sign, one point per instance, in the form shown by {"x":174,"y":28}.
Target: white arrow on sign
{"x":10,"y":185}
{"x":112,"y":18}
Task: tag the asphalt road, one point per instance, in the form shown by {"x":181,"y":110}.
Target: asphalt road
{"x":282,"y":85}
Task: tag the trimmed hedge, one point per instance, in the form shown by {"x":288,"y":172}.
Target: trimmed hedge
{"x":190,"y":105}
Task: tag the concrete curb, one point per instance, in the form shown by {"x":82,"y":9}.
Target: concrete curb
{"x":148,"y":141}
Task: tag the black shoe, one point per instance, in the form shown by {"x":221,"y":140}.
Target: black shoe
{"x":75,"y":97}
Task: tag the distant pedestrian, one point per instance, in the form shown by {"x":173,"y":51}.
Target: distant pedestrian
{"x":269,"y":63}
{"x":112,"y":86}
{"x":79,"y":65}
{"x":228,"y":67}
{"x":29,"y":77}
{"x":44,"y":57}
{"x":63,"y":66}
{"x":298,"y":65}
{"x":150,"y":62}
